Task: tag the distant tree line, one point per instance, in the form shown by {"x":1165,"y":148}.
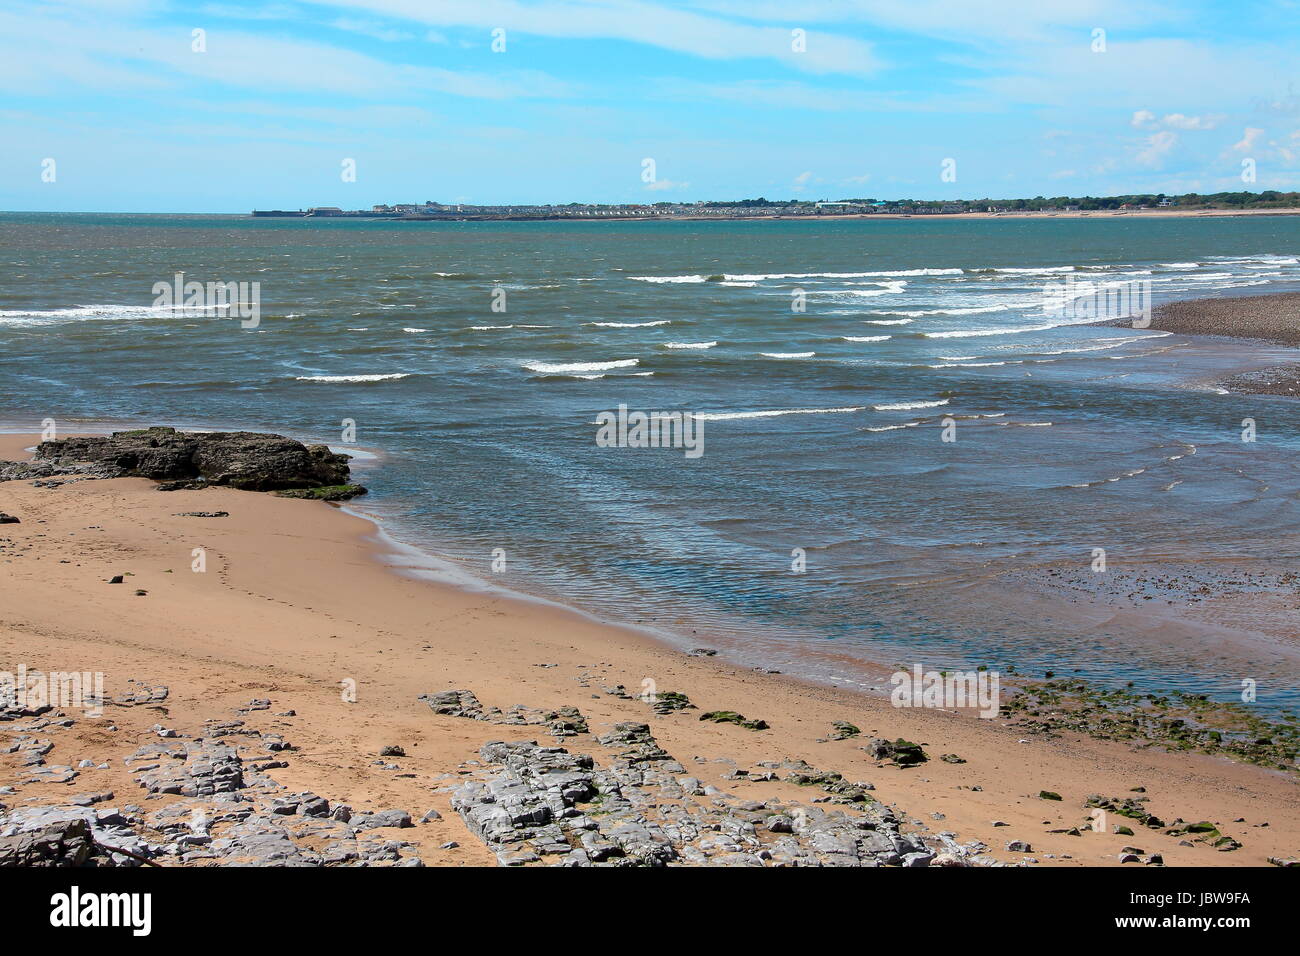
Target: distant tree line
{"x":1268,"y":199}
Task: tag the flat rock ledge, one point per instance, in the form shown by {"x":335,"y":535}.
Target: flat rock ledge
{"x":636,"y":806}
{"x":252,"y":461}
{"x":213,"y":804}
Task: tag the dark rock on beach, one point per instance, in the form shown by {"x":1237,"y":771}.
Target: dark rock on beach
{"x":247,"y":460}
{"x":251,"y":461}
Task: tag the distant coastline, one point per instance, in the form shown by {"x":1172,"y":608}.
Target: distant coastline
{"x":1268,"y":202}
{"x":629,"y":216}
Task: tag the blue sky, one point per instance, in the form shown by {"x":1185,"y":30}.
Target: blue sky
{"x":1025,"y":95}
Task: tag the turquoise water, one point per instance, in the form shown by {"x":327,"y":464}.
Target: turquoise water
{"x":822,"y":428}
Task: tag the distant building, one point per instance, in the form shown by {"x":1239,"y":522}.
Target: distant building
{"x":325,"y":211}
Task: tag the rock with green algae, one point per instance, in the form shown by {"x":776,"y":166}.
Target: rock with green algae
{"x":731,"y":717}
{"x":324,"y":493}
{"x":902,"y":753}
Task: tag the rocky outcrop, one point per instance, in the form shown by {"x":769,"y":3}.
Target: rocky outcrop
{"x":636,"y":806}
{"x":251,"y":461}
{"x":565,"y":721}
{"x":65,"y":842}
{"x":215,"y":805}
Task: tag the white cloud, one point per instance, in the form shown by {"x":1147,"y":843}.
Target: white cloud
{"x":372,"y":29}
{"x":48,"y":55}
{"x":1000,"y":21}
{"x":1179,"y":121}
{"x":1249,"y":140}
{"x":634,"y":21}
{"x":803,"y":179}
{"x":1157,"y":148}
{"x":1145,"y":119}
{"x":664,"y":185}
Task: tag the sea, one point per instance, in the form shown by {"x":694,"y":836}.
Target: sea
{"x":909,"y":453}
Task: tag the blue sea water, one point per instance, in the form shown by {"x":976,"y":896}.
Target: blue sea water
{"x":823,"y":428}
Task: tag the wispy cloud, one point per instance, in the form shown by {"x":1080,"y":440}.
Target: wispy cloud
{"x":48,"y":55}
{"x":638,"y":21}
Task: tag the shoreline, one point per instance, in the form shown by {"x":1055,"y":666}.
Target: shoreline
{"x":298,"y":600}
{"x":1272,"y":318}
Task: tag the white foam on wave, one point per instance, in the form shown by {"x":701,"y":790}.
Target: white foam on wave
{"x":415,"y":330}
{"x":547,"y":368}
{"x":1270,"y":258}
{"x":971,"y":333}
{"x":1088,"y":348}
{"x":1030,"y":270}
{"x":890,"y":428}
{"x":689,"y":345}
{"x":887,"y":321}
{"x":490,"y":328}
{"x":972,"y":364}
{"x":890,"y":288}
{"x":630,"y":325}
{"x":748,"y":279}
{"x":353,"y":378}
{"x":672,"y":280}
{"x":787,"y":355}
{"x":865,"y":338}
{"x":773,"y":413}
{"x":886,"y":274}
{"x":51,"y":316}
{"x":974,"y":310}
{"x":908,"y":406}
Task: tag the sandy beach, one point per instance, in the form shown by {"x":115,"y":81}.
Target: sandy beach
{"x":295,"y":606}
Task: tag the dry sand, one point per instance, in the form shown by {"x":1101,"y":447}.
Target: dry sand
{"x":295,"y":600}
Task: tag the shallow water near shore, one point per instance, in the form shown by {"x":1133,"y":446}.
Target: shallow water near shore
{"x":822,"y":431}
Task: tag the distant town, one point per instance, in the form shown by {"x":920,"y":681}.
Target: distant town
{"x":797,"y":208}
